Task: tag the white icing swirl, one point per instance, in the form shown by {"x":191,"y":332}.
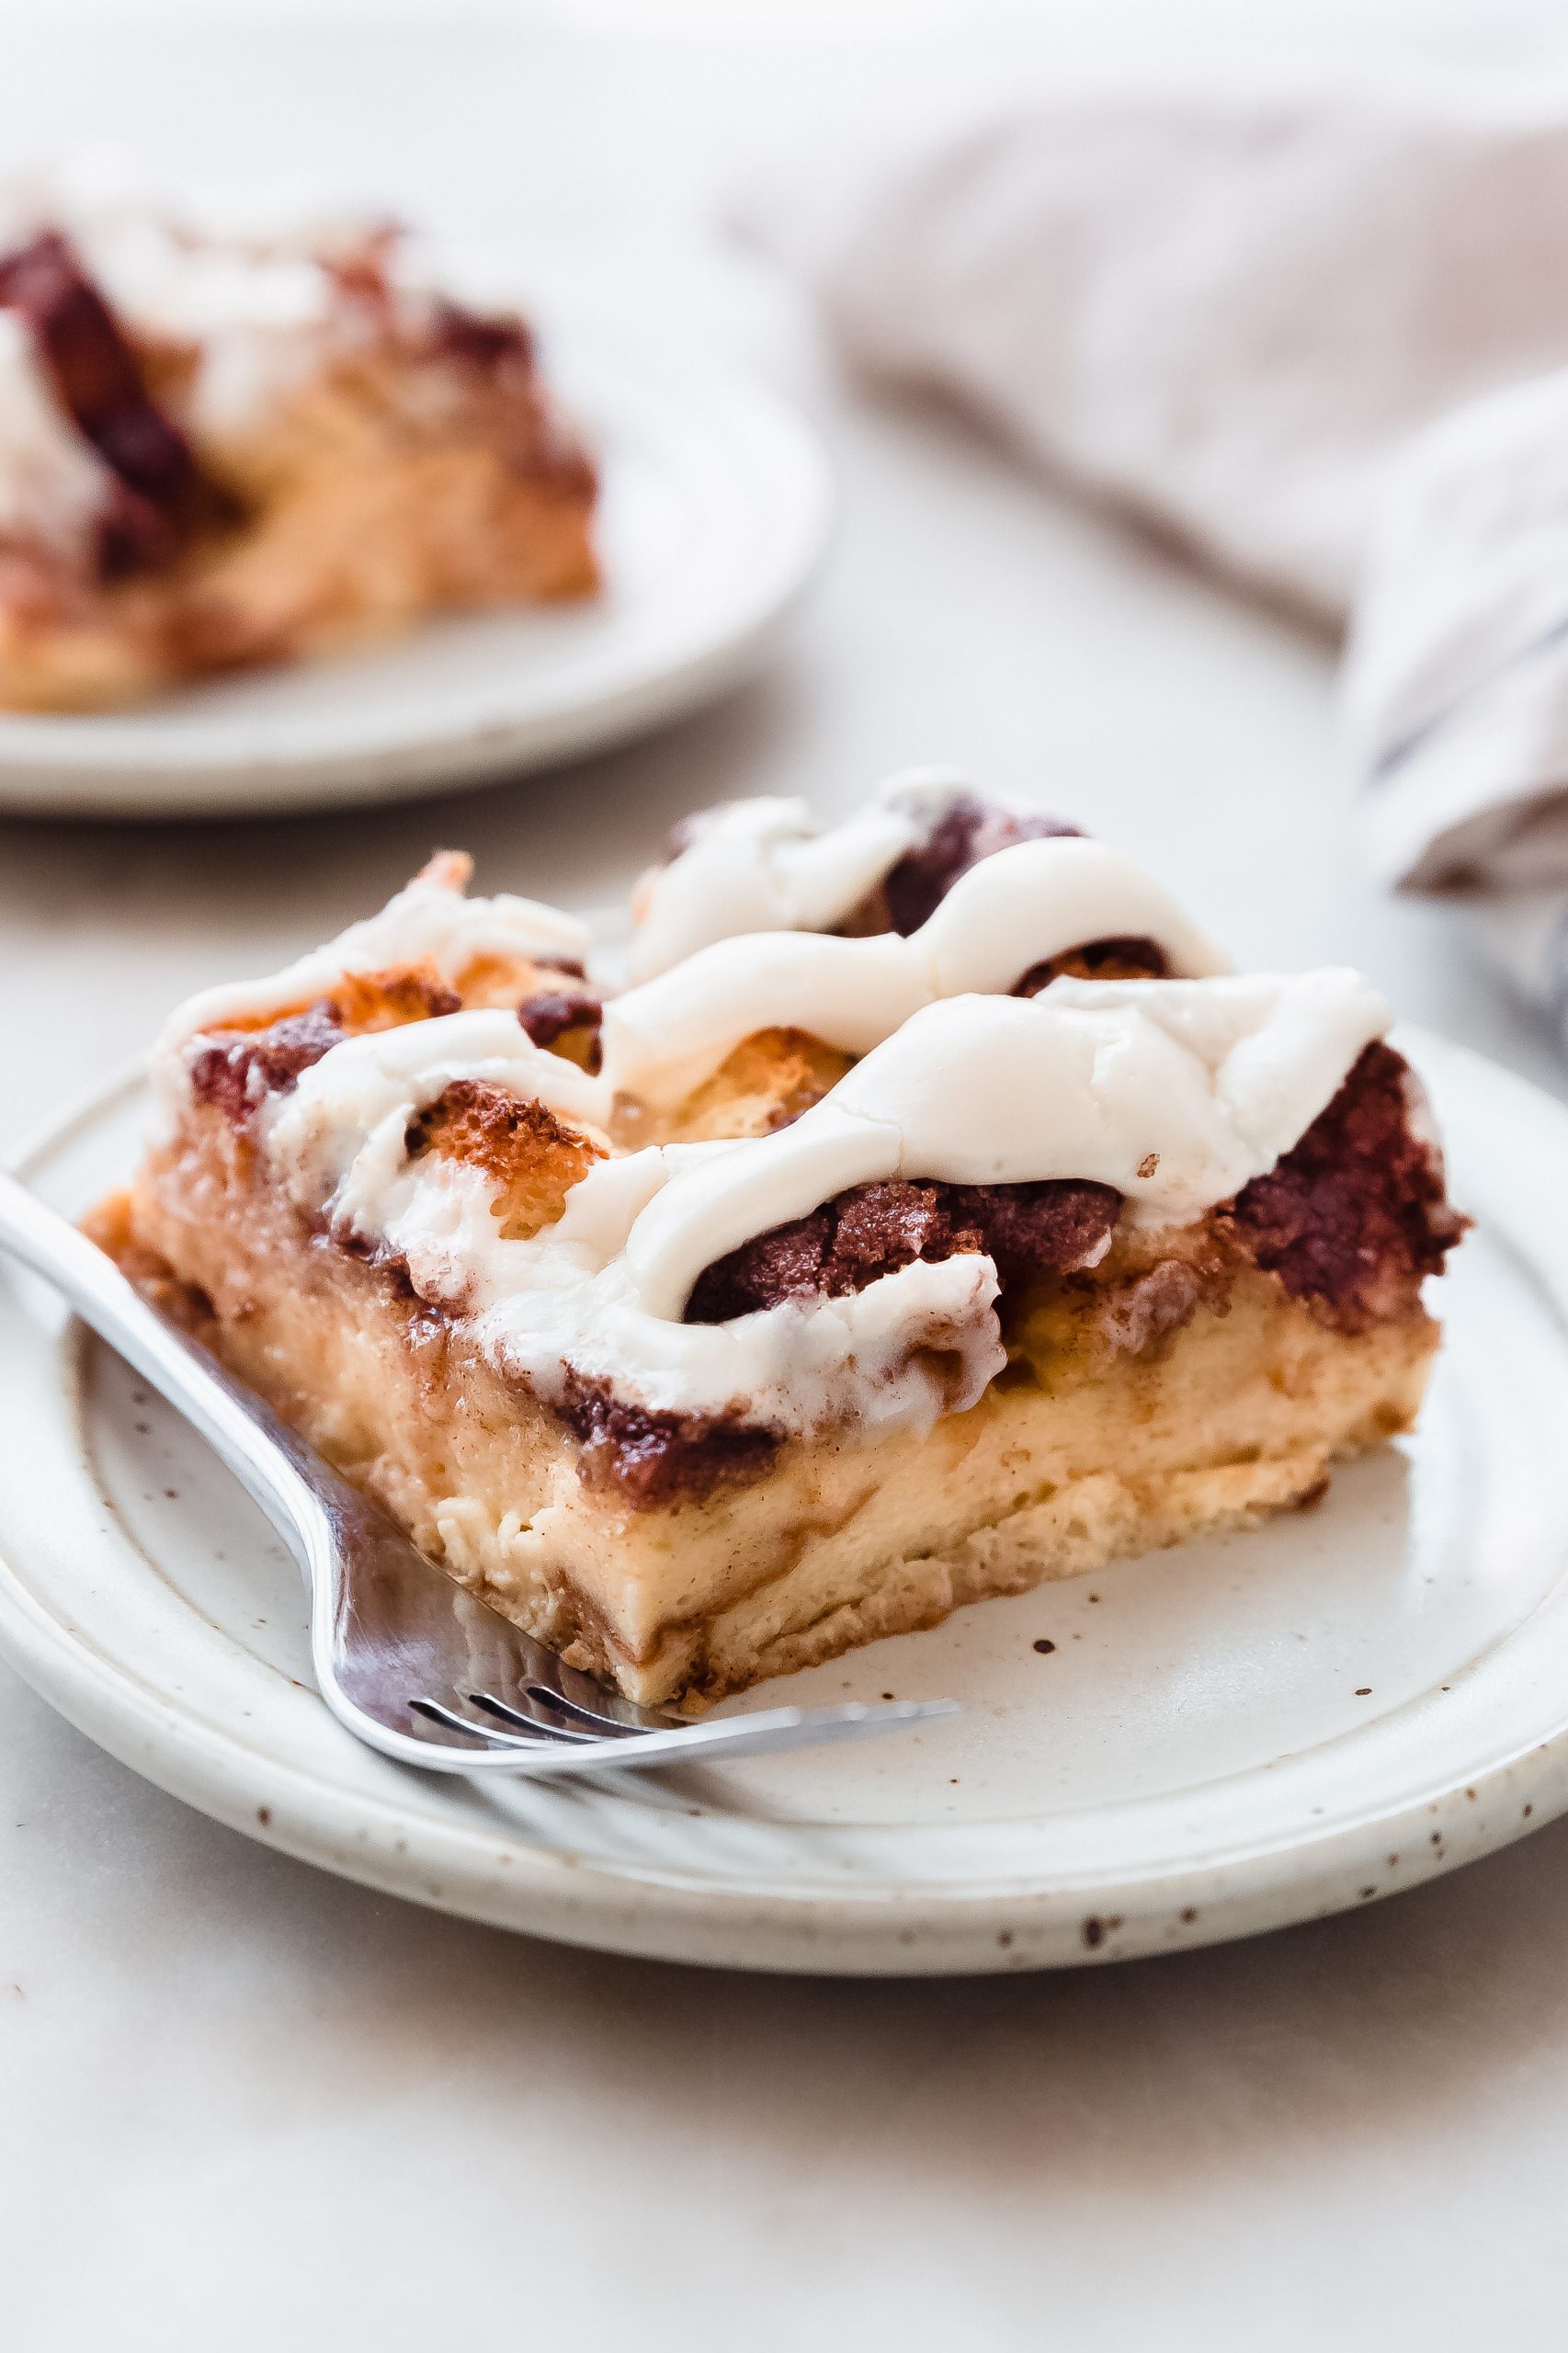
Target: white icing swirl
{"x":567,"y":1300}
{"x":430,"y":921}
{"x":340,"y":1134}
{"x":767,"y":865}
{"x":1176,"y":1093}
{"x":1011,"y":912}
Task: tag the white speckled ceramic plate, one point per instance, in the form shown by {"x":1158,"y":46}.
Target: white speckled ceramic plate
{"x":1223,"y":1739}
{"x":716,"y":510}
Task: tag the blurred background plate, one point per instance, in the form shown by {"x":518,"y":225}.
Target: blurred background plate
{"x":716,"y":510}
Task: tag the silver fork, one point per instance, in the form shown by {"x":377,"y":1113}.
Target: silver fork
{"x":402,"y":1655}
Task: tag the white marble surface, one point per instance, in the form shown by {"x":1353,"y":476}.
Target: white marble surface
{"x":243,"y":2104}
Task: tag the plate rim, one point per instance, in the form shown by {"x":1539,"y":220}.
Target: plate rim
{"x":69,"y":779}
{"x":463,"y":1865}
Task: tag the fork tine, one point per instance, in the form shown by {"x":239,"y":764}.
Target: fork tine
{"x":714,"y":1738}
{"x":542,"y":1735}
{"x":524,"y":1723}
{"x":595,"y":1725}
{"x":546,"y":1753}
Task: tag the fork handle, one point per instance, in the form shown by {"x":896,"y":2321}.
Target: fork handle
{"x":260,"y":1450}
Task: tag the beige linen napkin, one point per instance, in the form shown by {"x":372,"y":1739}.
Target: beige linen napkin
{"x":1315,"y":331}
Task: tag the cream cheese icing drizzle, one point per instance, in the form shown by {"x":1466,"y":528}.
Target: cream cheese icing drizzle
{"x":430,"y":921}
{"x":568,"y":1298}
{"x":766,"y":864}
{"x":1175,"y":1093}
{"x":340,"y":1135}
{"x":1009,"y":913}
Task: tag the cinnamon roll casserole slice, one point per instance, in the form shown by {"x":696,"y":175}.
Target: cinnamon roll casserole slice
{"x":229,"y":443}
{"x":938,"y":1213}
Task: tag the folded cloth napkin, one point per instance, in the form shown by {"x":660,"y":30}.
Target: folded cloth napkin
{"x":1317,"y":332}
{"x":1456,"y":678}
